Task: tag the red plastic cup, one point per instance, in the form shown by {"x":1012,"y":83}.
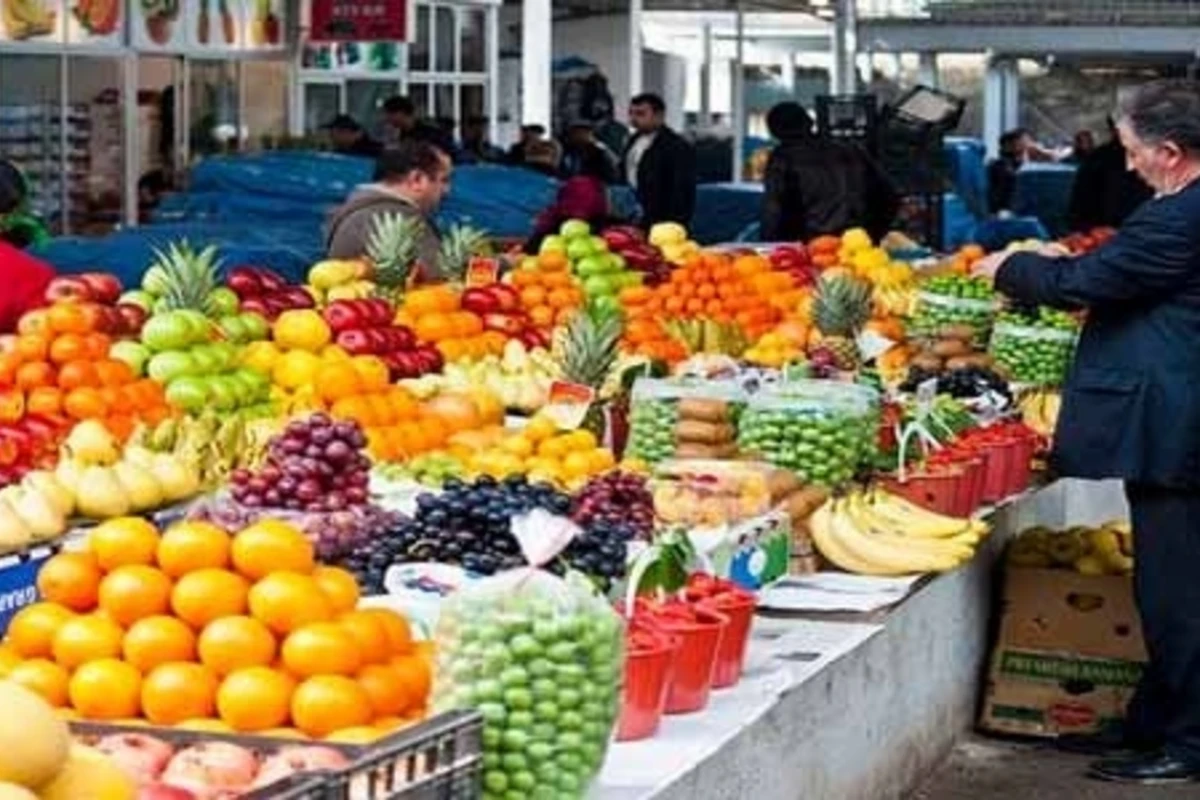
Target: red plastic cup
{"x":695,"y":659}
{"x":731,"y":656}
{"x":644,"y":695}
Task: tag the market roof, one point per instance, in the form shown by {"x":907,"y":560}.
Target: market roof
{"x":578,"y":8}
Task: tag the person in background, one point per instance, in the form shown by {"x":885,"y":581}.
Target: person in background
{"x":349,"y":138}
{"x":403,"y":125}
{"x":474,"y":147}
{"x":1105,"y":191}
{"x":1130,"y":411}
{"x":814,"y":186}
{"x":582,"y":196}
{"x":1002,"y":172}
{"x":24,"y":277}
{"x":582,"y":152}
{"x":659,"y":164}
{"x":410,"y":180}
{"x":545,"y":157}
{"x":1081,"y":147}
{"x":530,"y":134}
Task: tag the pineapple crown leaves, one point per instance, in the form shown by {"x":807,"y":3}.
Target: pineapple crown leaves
{"x":589,"y":344}
{"x":461,"y":243}
{"x":842,"y":306}
{"x":188,"y":277}
{"x":392,"y":247}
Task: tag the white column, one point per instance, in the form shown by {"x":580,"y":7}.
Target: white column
{"x":845,"y":74}
{"x":536,"y":54}
{"x":635,"y":48}
{"x":706,"y":69}
{"x":492,"y":32}
{"x":1001,"y":97}
{"x":132,"y":137}
{"x":738,"y":88}
{"x":788,"y":71}
{"x":927,"y":69}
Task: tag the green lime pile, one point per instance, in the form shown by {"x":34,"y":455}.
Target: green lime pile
{"x":652,"y":429}
{"x":954,"y":300}
{"x":820,"y":445}
{"x":1035,"y":349}
{"x":541,"y":661}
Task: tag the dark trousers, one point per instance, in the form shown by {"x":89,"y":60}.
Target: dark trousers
{"x":1165,"y":710}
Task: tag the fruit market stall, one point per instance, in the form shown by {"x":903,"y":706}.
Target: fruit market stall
{"x":542,"y":518}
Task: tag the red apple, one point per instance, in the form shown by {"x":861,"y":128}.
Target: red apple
{"x":104,"y":286}
{"x":342,"y":315}
{"x":405,"y":339}
{"x":297,"y":297}
{"x":256,"y":305}
{"x":504,"y":323}
{"x":508,"y":297}
{"x":380,"y":312}
{"x":380,"y":341}
{"x":356,"y":342}
{"x":270,"y":280}
{"x":211,"y":767}
{"x":480,"y":300}
{"x":244,"y":282}
{"x":133,"y":317}
{"x":140,"y":756}
{"x":68,"y":288}
{"x":291,"y":760}
{"x":161,"y":791}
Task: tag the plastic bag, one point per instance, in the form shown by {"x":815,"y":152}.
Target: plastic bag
{"x":541,"y":658}
{"x":684,"y":418}
{"x":1033,"y":354}
{"x":936,"y":311}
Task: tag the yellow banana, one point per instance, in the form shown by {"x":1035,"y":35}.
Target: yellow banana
{"x":917,"y":521}
{"x":1107,"y":548}
{"x":820,"y":527}
{"x":883,"y":556}
{"x":860,"y":512}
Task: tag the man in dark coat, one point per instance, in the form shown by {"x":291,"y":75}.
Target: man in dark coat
{"x":350,"y":139}
{"x":815,"y":186}
{"x":659,"y":164}
{"x":1105,"y":190}
{"x":1002,"y":172}
{"x":403,"y":125}
{"x":1131,"y":410}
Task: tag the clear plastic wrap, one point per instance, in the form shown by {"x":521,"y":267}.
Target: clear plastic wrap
{"x":540,"y":657}
{"x":934,"y":312}
{"x":1033,"y":354}
{"x":684,"y":418}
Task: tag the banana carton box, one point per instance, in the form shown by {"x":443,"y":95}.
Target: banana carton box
{"x":1069,"y":650}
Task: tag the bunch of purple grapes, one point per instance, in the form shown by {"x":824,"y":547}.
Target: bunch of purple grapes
{"x":616,"y":498}
{"x":316,"y":464}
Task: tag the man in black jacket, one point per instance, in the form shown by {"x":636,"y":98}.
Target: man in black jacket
{"x":1131,"y":410}
{"x":815,"y":186}
{"x":659,"y":164}
{"x":1105,"y":190}
{"x":404,"y":125}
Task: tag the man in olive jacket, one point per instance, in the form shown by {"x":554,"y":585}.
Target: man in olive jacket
{"x":410,"y":180}
{"x":1131,"y":410}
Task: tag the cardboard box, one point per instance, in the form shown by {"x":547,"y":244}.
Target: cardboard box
{"x":1068,"y":655}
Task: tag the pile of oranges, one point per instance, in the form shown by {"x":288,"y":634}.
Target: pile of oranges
{"x":436,"y":316}
{"x":199,"y":629}
{"x":549,"y":293}
{"x":58,"y":366}
{"x":744,"y":291}
{"x":395,"y":423}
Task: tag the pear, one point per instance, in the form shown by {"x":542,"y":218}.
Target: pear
{"x":90,"y":443}
{"x":40,"y":515}
{"x":46,"y":484}
{"x":139,"y":456}
{"x":178,"y":481}
{"x":14,"y":533}
{"x":68,"y":473}
{"x":140,"y":486}
{"x":101,"y":495}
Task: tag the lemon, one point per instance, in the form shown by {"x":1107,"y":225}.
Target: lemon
{"x":518,"y":445}
{"x":261,"y":356}
{"x":601,"y":459}
{"x":576,"y":465}
{"x":540,"y":428}
{"x":296,"y":368}
{"x":332,"y":353}
{"x":301,"y":329}
{"x":581,"y":440}
{"x":555,"y":447}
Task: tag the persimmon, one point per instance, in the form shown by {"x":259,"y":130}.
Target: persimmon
{"x":76,"y":374}
{"x":68,"y":318}
{"x":85,"y":403}
{"x":34,"y":374}
{"x":33,"y":346}
{"x":112,"y":372}
{"x":96,"y":345}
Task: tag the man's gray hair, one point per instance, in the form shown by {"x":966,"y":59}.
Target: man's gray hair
{"x":1165,"y":110}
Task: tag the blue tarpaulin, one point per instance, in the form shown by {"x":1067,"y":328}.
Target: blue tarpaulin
{"x":1044,"y":191}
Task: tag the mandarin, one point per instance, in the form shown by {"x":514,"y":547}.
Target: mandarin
{"x":176,"y":692}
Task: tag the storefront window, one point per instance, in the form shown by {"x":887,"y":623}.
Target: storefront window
{"x":95,"y":163}
{"x":418,"y":52}
{"x":474,"y":39}
{"x":444,"y":107}
{"x":322,"y":102}
{"x":471,"y":99}
{"x":364,"y":102}
{"x":215,"y":125}
{"x":31,"y":128}
{"x":419,"y":94}
{"x":265,"y":104}
{"x":446,"y":37}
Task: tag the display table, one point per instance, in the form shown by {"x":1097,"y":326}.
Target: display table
{"x":849,"y":707}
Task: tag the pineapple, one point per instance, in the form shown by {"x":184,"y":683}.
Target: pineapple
{"x":587,"y":351}
{"x":459,"y":244}
{"x":392,"y":249}
{"x":187,"y":278}
{"x":841,"y":307}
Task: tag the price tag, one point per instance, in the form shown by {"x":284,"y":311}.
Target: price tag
{"x":926,"y":394}
{"x":482,"y":271}
{"x":871,"y":345}
{"x":568,"y":403}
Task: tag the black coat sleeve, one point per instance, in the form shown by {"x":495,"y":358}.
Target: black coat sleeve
{"x":882,"y":200}
{"x":681,"y":179}
{"x":1152,"y":255}
{"x":1087,"y":196}
{"x":775,"y":199}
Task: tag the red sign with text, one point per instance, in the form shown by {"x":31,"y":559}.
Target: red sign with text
{"x":359,"y":20}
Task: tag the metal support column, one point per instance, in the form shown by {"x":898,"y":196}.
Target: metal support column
{"x":845,"y":71}
{"x":1001,"y":98}
{"x":635,"y":48}
{"x":738,"y":88}
{"x":706,"y":72}
{"x":927,"y":70}
{"x":132,"y":136}
{"x":536,"y":55}
{"x":493,"y":71}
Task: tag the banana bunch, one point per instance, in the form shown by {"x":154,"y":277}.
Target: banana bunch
{"x":877,"y":533}
{"x":1039,"y":410}
{"x":894,"y":301}
{"x":24,"y":19}
{"x":1106,"y":550}
{"x":212,"y":445}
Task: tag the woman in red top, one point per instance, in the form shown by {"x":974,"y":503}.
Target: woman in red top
{"x":23,"y":278}
{"x":584,"y":197}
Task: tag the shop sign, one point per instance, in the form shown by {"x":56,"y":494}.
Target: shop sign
{"x":359,"y":20}
{"x":33,"y":21}
{"x":97,"y":23}
{"x":18,"y":584}
{"x":159,"y":25}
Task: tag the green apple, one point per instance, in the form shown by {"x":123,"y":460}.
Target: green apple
{"x":222,"y":302}
{"x":171,"y":365}
{"x":616,"y":262}
{"x":208,"y":362}
{"x":578,"y":249}
{"x":224,"y":393}
{"x":167,"y":331}
{"x":598,"y":285}
{"x":138,"y":297}
{"x":235,"y":328}
{"x":155,"y":281}
{"x":592,"y":265}
{"x":257,"y":328}
{"x":135,"y":354}
{"x":228,"y":352}
{"x":201,"y":325}
{"x":575,"y":229}
{"x":553,"y":244}
{"x":599,"y":245}
{"x":259,"y":383}
{"x":624,"y":280}
{"x":608,"y":302}
{"x":188,"y":392}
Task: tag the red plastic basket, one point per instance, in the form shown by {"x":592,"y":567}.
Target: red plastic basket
{"x":644,"y":695}
{"x":935,"y":490}
{"x":731,"y":656}
{"x":695,"y":660}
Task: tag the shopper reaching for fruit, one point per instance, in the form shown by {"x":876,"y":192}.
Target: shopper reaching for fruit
{"x":1131,"y":410}
{"x":23,"y":277}
{"x":395,"y":213}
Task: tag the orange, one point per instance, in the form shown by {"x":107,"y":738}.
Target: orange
{"x":71,"y":580}
{"x":399,"y":634}
{"x":255,"y":699}
{"x":34,"y":321}
{"x":520,"y":278}
{"x":158,"y":640}
{"x":372,"y":373}
{"x":284,"y":601}
{"x":270,"y":546}
{"x":45,"y":401}
{"x":542,"y":316}
{"x":134,"y":592}
{"x":338,"y":380}
{"x":68,"y":318}
{"x":67,"y":347}
{"x":208,"y":594}
{"x":533,"y":296}
{"x":121,"y":541}
{"x":33,"y":346}
{"x":42,"y":677}
{"x":385,"y":688}
{"x":553,"y":262}
{"x":87,"y":638}
{"x":113,"y":373}
{"x":77,"y":374}
{"x":190,"y":546}
{"x":174,"y":693}
{"x":370,"y":634}
{"x":327,"y":703}
{"x":106,"y":689}
{"x":417,"y":675}
{"x":32,"y":631}
{"x":34,"y":374}
{"x":233,"y":643}
{"x":339,"y":586}
{"x":85,"y":403}
{"x":95,"y":346}
{"x":434,"y":327}
{"x":205,"y":726}
{"x":322,"y":648}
